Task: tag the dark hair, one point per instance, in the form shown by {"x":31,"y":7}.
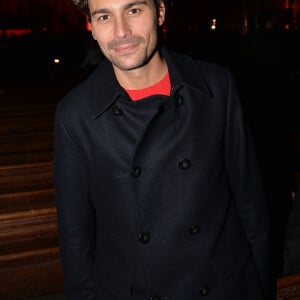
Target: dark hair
{"x":84,"y":6}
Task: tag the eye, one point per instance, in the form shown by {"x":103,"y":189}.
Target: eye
{"x":134,"y":11}
{"x":103,"y":18}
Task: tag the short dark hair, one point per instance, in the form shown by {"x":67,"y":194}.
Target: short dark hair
{"x":84,"y":6}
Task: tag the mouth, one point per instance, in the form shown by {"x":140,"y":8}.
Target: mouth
{"x":126,"y":45}
{"x":125,"y":48}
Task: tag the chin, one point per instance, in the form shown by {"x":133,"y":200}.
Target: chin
{"x":129,"y":64}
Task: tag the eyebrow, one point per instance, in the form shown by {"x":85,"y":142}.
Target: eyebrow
{"x":126,"y":6}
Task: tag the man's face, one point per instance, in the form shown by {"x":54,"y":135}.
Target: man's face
{"x":126,"y":30}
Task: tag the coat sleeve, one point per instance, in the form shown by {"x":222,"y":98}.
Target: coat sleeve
{"x":246,"y":183}
{"x":75,"y":215}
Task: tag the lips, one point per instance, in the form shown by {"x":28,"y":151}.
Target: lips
{"x":125,"y":48}
{"x":125,"y":43}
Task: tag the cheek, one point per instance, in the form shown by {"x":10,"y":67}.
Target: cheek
{"x":96,"y":32}
{"x":99,"y":38}
{"x":93,"y":35}
{"x":93,"y":30}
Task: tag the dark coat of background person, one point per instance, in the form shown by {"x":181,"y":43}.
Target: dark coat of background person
{"x":264,"y":78}
{"x":164,"y":193}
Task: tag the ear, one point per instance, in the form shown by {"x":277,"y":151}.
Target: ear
{"x":161,"y":13}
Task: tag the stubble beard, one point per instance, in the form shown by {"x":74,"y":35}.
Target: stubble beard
{"x":134,"y":60}
{"x":139,"y":61}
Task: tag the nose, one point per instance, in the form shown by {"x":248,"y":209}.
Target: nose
{"x":122,"y":28}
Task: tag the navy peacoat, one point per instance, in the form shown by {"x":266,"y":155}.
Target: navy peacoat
{"x":159,"y":198}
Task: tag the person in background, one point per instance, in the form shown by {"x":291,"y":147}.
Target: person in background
{"x":269,"y":106}
{"x":158,"y":193}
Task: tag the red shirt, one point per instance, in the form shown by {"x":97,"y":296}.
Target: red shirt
{"x":162,"y":87}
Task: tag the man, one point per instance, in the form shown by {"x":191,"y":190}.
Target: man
{"x":158,"y":192}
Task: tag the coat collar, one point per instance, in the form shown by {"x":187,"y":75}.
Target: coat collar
{"x":104,"y":89}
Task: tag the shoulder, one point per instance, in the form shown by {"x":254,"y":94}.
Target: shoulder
{"x":201,"y":73}
{"x":93,"y":95}
{"x":79,"y":99}
{"x":74,"y":100}
{"x":186,"y":61}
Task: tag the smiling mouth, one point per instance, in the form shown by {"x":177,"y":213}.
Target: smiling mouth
{"x":126,"y":44}
{"x":125,"y":48}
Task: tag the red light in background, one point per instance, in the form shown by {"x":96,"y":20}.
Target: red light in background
{"x":15,"y":31}
{"x":88,"y":24}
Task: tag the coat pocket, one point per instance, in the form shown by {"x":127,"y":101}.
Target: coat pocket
{"x":231,"y":253}
{"x":232,"y":250}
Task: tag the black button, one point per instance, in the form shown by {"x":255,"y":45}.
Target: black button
{"x":155,"y":298}
{"x":195,"y":229}
{"x":144,"y":237}
{"x":136,"y":171}
{"x":117,"y":111}
{"x":203,"y":291}
{"x":184,"y":164}
{"x":179,"y":100}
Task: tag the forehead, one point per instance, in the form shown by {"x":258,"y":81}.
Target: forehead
{"x":113,"y":4}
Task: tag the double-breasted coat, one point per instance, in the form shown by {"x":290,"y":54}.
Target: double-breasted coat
{"x":159,"y":198}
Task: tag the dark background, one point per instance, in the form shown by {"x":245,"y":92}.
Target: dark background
{"x":35,"y":33}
